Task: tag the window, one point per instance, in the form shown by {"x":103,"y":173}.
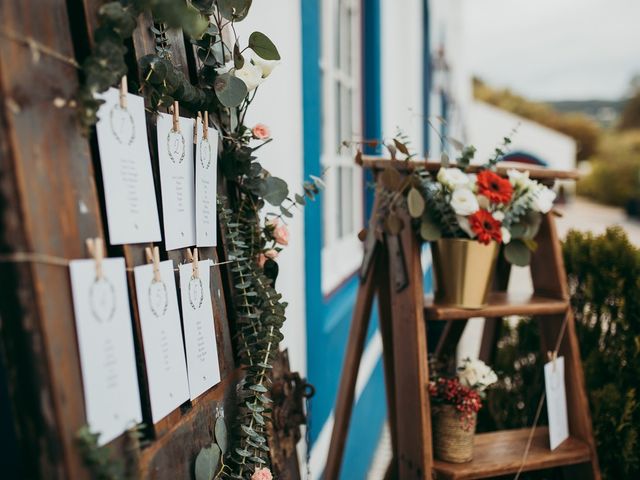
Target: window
{"x":343,"y":198}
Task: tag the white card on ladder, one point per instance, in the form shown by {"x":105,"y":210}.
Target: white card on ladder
{"x":556,"y":402}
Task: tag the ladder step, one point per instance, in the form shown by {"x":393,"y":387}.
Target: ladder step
{"x":500,"y":453}
{"x":500,"y":304}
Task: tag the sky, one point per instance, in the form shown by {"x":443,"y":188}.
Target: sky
{"x":554,"y":49}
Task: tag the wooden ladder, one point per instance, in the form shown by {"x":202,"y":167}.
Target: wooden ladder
{"x":392,"y":271}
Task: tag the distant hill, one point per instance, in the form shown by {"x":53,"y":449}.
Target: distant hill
{"x":605,"y":112}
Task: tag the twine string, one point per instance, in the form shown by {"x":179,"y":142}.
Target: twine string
{"x":38,"y":48}
{"x":45,"y":259}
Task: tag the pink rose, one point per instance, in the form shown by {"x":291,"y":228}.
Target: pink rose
{"x":271,"y":253}
{"x":281,"y":234}
{"x":268,"y":254}
{"x":261,"y":131}
{"x":262,"y":474}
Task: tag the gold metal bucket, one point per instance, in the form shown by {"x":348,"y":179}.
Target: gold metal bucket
{"x":463,"y":271}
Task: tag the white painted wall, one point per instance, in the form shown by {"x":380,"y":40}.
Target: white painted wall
{"x":402,"y":60}
{"x":278,"y":104}
{"x":488,"y":125}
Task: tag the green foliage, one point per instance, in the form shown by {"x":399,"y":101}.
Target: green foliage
{"x":604,"y":280}
{"x":604,"y":273}
{"x":210,"y":459}
{"x":630,"y":118}
{"x":100,"y":459}
{"x":617,"y":162}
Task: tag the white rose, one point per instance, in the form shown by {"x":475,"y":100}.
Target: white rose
{"x":250,"y":74}
{"x":498,"y":215}
{"x":453,"y":178}
{"x":543,"y":198}
{"x":506,"y":235}
{"x":517,"y":178}
{"x":464,"y":202}
{"x":476,"y":374}
{"x":266,"y":66}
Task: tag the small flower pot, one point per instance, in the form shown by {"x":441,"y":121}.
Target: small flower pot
{"x":453,"y":434}
{"x":463,"y":271}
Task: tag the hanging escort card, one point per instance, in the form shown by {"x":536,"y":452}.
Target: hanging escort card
{"x":132,"y":212}
{"x":206,"y":167}
{"x":199,"y":328}
{"x":105,"y":341}
{"x":175,"y":152}
{"x":556,"y":402}
{"x":161,"y":337}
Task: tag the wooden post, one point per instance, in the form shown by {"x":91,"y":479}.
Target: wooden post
{"x":410,"y":362}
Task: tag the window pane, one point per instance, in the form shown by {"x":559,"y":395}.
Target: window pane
{"x":338,"y":115}
{"x":339,"y":203}
{"x":338,"y":29}
{"x":347,"y":198}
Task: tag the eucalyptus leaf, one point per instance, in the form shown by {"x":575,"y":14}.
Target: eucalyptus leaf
{"x":207,"y":462}
{"x":402,"y":147}
{"x":415,"y":203}
{"x":263,"y":46}
{"x":429,"y":231}
{"x":444,"y":159}
{"x":220,"y":431}
{"x":275,"y":190}
{"x":238,"y":59}
{"x":517,"y":253}
{"x":230,"y":90}
{"x":235,"y":10}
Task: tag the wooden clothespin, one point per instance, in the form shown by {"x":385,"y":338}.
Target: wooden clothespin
{"x":553,"y":356}
{"x":197,"y":120}
{"x":153,"y":256}
{"x":96,"y":250}
{"x":205,"y":126}
{"x":123,"y":92}
{"x":176,"y":116}
{"x":195,"y":263}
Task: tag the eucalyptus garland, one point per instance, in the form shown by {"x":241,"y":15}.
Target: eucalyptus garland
{"x":228,"y":80}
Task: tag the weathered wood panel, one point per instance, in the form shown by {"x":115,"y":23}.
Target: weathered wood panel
{"x":48,"y":205}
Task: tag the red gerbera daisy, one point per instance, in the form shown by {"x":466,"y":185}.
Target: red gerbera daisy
{"x":494,"y":187}
{"x":485,"y":227}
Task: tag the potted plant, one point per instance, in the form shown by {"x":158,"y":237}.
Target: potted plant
{"x":456,"y":402}
{"x":467,"y":217}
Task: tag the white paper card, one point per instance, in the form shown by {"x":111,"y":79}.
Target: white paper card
{"x":162,"y":339}
{"x":105,"y":341}
{"x":206,"y":167}
{"x":556,"y":402}
{"x":199,"y":328}
{"x":175,"y":155}
{"x":132,"y":212}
